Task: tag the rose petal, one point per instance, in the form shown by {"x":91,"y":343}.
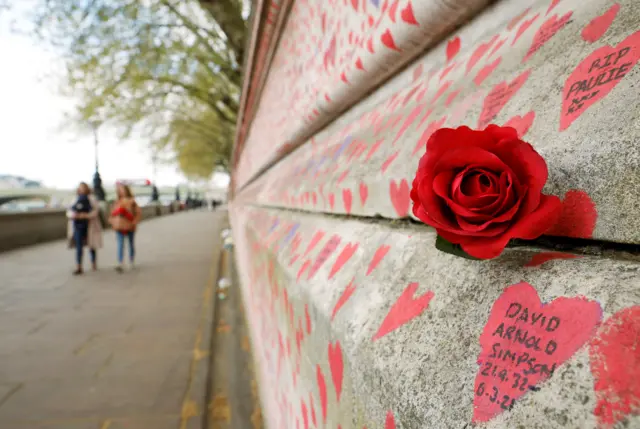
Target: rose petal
{"x":539,"y":221}
{"x":502,"y":133}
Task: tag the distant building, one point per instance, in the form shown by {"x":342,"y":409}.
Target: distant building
{"x":8,"y":181}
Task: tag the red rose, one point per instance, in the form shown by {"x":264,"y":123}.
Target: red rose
{"x":480,"y":189}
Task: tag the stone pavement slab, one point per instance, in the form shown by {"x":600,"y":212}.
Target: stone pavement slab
{"x":105,"y":350}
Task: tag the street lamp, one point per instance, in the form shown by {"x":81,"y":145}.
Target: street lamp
{"x":97,"y":181}
{"x":155,"y":195}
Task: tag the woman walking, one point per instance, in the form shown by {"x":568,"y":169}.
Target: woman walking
{"x":84,"y":227}
{"x":124,"y":218}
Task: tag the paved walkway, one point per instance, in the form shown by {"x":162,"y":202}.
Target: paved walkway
{"x":105,"y":350}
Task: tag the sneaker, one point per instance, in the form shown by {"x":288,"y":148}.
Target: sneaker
{"x":78,"y":271}
{"x":119,"y":269}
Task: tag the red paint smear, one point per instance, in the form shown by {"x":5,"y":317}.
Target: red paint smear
{"x":377,"y":257}
{"x":404,"y":310}
{"x":542,"y":257}
{"x":561,"y":328}
{"x":615,"y":365}
{"x":578,"y":217}
{"x":348,"y":291}
{"x":337,"y":367}
{"x":599,"y":25}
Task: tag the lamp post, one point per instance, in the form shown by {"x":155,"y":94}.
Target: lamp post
{"x":155,"y":195}
{"x":97,"y":181}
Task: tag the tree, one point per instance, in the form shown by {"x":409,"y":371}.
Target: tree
{"x":169,"y":70}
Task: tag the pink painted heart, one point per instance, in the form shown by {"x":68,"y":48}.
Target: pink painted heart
{"x":479,"y":53}
{"x":486,"y":71}
{"x":524,"y":27}
{"x":596,"y":76}
{"x":431,"y":128}
{"x":524,"y":342}
{"x":599,"y":25}
{"x":399,"y":194}
{"x":411,"y":117}
{"x":322,"y":390}
{"x":343,"y":257}
{"x":348,"y":291}
{"x":498,"y":98}
{"x":387,"y":40}
{"x":516,"y":19}
{"x":307,"y":318}
{"x":546,"y":31}
{"x":392,"y":10}
{"x":615,"y":365}
{"x":521,"y":123}
{"x":374,"y":148}
{"x":578,"y":217}
{"x":405,"y":309}
{"x":332,"y":200}
{"x":347,"y":198}
{"x":337,"y":366}
{"x":389,"y":422}
{"x":406,"y":14}
{"x":388,"y":161}
{"x":453,"y":47}
{"x":377,"y":257}
{"x":552,"y":6}
{"x":364,"y":192}
{"x":314,"y":242}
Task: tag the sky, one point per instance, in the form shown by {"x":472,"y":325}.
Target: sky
{"x":31,"y":143}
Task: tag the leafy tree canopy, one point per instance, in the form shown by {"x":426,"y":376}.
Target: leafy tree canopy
{"x":167,"y":69}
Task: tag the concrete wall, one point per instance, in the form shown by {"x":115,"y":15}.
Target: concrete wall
{"x":357,"y":319}
{"x":28,"y":228}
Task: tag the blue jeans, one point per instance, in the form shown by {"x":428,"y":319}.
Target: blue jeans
{"x":80,"y":236}
{"x":120,"y":240}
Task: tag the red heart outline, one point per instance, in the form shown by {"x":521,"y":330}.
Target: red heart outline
{"x":546,"y":31}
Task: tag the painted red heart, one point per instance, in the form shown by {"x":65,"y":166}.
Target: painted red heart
{"x":393,"y":9}
{"x":516,"y":19}
{"x":313,"y":410}
{"x":524,"y":27}
{"x":343,"y":257}
{"x":406,"y":14}
{"x":354,"y":4}
{"x":388,"y":161}
{"x":387,"y":40}
{"x":552,"y":5}
{"x":359,"y":64}
{"x":452,"y":97}
{"x":443,"y":88}
{"x":337,"y":366}
{"x":307,"y":318}
{"x":453,"y":47}
{"x":415,"y":112}
{"x":596,"y":76}
{"x":523,"y":343}
{"x":496,"y":47}
{"x":479,"y":53}
{"x":542,"y":257}
{"x":546,"y":31}
{"x":615,"y":364}
{"x":486,"y":71}
{"x":599,"y":25}
{"x":400,"y":197}
{"x":389,"y":422}
{"x":322,"y":390}
{"x":364,"y":192}
{"x":431,"y":128}
{"x":314,"y":242}
{"x":348,"y":291}
{"x":417,"y":72}
{"x":447,"y":70}
{"x":521,"y":123}
{"x":332,"y":200}
{"x":377,"y":257}
{"x":404,"y":310}
{"x":347,"y":198}
{"x":578,"y":217}
{"x":302,"y":269}
{"x":330,"y":246}
{"x":373,"y":149}
{"x":498,"y":98}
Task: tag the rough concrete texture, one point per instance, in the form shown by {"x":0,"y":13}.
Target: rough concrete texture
{"x":332,"y":53}
{"x":363,"y":324}
{"x":527,"y":69}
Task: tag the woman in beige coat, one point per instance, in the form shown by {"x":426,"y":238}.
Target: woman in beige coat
{"x":94,"y":233}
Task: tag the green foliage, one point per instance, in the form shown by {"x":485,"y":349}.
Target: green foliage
{"x":168,"y":70}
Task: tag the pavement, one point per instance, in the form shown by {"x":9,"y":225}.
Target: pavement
{"x":107,"y":350}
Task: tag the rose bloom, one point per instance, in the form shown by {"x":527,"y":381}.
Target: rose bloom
{"x":479,"y":189}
